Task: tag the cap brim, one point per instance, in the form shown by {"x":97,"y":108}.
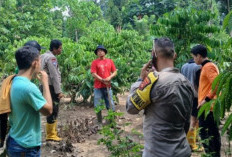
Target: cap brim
{"x":101,"y":49}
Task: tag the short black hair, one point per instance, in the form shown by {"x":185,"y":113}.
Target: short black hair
{"x":25,"y":56}
{"x":165,"y":46}
{"x":55,"y":44}
{"x":34,"y":44}
{"x":199,"y":49}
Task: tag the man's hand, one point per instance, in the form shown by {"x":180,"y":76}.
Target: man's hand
{"x":105,"y":82}
{"x":61,"y":95}
{"x":145,"y":70}
{"x":42,"y":76}
{"x":107,"y":79}
{"x":201,"y":104}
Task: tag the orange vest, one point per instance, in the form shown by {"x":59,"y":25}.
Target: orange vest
{"x":208,"y":73}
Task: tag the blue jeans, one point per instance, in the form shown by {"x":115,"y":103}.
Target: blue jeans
{"x":101,"y":94}
{"x":15,"y":150}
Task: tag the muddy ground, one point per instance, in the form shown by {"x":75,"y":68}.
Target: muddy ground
{"x":78,"y":127}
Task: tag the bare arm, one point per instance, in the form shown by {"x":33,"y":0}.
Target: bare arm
{"x":46,"y":110}
{"x":145,"y":70}
{"x":130,"y":107}
{"x":96,"y":76}
{"x":111,"y":76}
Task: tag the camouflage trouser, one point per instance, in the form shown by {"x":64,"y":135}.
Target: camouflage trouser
{"x":55,"y":103}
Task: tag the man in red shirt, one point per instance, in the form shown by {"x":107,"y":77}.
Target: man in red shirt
{"x":103,"y":70}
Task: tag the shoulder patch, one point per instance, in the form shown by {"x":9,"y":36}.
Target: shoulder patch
{"x":150,"y":79}
{"x":145,"y":83}
{"x":54,"y":62}
{"x":141,"y":98}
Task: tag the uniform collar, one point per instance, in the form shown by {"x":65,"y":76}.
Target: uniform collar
{"x":170,"y":69}
{"x":191,"y":61}
{"x":205,"y":62}
{"x":50,"y":52}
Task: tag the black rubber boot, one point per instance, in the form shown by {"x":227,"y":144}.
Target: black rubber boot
{"x":99,"y":117}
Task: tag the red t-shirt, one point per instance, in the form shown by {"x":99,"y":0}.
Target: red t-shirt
{"x":102,"y":68}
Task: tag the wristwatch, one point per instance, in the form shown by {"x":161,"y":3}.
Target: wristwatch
{"x":207,"y":99}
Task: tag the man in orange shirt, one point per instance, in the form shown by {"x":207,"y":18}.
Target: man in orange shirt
{"x":209,"y":129}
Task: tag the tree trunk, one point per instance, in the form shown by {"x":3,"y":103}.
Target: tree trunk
{"x":118,"y":28}
{"x":76,"y":36}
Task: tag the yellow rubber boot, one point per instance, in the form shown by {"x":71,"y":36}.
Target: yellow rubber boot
{"x":197,"y":128}
{"x":191,"y":136}
{"x":51,"y":130}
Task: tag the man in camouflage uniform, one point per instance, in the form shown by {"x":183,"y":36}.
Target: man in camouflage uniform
{"x":166,"y":97}
{"x":49,"y":64}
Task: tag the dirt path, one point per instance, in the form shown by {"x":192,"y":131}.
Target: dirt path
{"x":72,"y":117}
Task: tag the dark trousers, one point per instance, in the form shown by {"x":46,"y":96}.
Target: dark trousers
{"x":209,"y":131}
{"x":194,"y":108}
{"x":55,"y":104}
{"x":3,"y":122}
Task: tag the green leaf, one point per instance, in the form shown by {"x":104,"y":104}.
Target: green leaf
{"x":205,"y":108}
{"x":217,"y":111}
{"x":216,"y":81}
{"x":227,"y":124}
{"x":227,"y":20}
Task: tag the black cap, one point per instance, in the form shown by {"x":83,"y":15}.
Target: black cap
{"x":34,"y":44}
{"x":100,"y":47}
